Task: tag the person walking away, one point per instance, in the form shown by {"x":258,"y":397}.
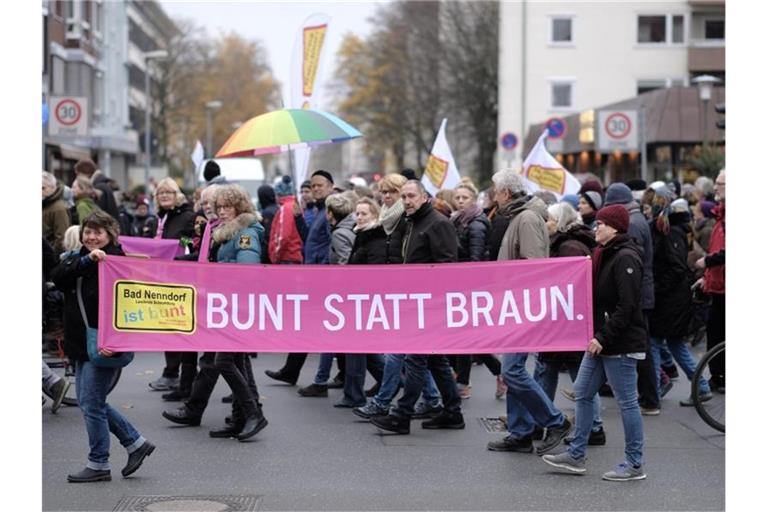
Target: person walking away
{"x":55,"y":214}
{"x":105,"y":196}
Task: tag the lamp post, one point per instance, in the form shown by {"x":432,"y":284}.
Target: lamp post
{"x":209,"y":108}
{"x":148,"y":56}
{"x":705,"y":84}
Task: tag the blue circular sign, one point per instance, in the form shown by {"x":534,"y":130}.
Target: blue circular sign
{"x":509,"y":141}
{"x":556,"y":127}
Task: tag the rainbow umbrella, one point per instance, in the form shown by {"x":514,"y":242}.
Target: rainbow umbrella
{"x":286,"y":129}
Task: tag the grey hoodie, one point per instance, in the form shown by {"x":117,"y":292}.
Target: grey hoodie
{"x":342,"y":240}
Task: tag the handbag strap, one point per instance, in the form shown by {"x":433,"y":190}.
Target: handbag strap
{"x":80,"y":301}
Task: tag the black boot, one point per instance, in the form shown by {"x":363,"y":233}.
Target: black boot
{"x":253,"y":425}
{"x":183,"y":416}
{"x":137,"y":457}
{"x":90,"y":475}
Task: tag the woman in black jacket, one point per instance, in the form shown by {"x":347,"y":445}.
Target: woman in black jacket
{"x":98,"y":234}
{"x":673,"y":309}
{"x":619,"y":342}
{"x":175,"y":220}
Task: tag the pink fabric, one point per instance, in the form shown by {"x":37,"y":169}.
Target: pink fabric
{"x":205,"y":245}
{"x":165,"y":249}
{"x":329,"y":292}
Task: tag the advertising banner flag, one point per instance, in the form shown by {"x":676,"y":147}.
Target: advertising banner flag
{"x":306,"y":89}
{"x":441,"y":170}
{"x":459,"y":308}
{"x":543,"y":172}
{"x":155,"y":248}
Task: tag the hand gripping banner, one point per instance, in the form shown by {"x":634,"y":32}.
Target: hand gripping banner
{"x":460,"y":308}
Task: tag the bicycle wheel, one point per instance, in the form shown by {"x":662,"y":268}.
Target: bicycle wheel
{"x":712,"y":411}
{"x":65,"y":370}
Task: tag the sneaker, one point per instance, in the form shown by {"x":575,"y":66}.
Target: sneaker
{"x":566,"y":462}
{"x":318,"y":390}
{"x":688,"y":402}
{"x":370,"y":410}
{"x":392,"y":423}
{"x":175,"y":396}
{"x":164,"y":384}
{"x":596,"y":438}
{"x":445,"y":419}
{"x":465,"y":391}
{"x":624,"y":472}
{"x":501,"y":387}
{"x":569,"y":394}
{"x":59,"y":391}
{"x":553,"y":438}
{"x":423,"y":411}
{"x":650,"y":411}
{"x":511,"y":444}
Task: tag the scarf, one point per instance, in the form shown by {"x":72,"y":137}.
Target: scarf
{"x":462,"y":218}
{"x":366,"y":227}
{"x":389,"y":217}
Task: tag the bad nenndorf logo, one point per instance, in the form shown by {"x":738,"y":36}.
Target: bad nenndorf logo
{"x":154,"y":307}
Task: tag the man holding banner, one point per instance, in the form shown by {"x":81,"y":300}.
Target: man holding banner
{"x":429,"y":238}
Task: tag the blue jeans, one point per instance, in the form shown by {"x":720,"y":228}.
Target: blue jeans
{"x":393,"y":379}
{"x":324,"y":369}
{"x":527,"y":403}
{"x":621,"y":372}
{"x":100,"y":417}
{"x":682,"y":355}
{"x":547,"y":375}
{"x":416,"y":369}
{"x":354,"y":376}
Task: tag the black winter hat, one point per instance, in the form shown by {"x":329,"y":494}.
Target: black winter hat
{"x":211,"y":170}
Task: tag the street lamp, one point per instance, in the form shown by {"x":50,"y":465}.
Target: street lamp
{"x":705,"y":84}
{"x":209,"y":108}
{"x":148,"y":56}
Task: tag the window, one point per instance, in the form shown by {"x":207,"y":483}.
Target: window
{"x":714,"y":29}
{"x":661,"y":29}
{"x":562,"y":30}
{"x":562,"y":95}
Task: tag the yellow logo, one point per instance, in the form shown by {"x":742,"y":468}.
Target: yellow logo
{"x":154,"y":307}
{"x":547,"y":178}
{"x":436,"y":170}
{"x":313,"y":43}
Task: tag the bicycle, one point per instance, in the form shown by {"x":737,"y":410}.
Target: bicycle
{"x":60,"y":364}
{"x":712,"y":410}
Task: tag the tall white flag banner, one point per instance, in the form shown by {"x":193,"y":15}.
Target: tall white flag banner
{"x":306,"y":89}
{"x":542,"y":171}
{"x":441,"y":170}
{"x":198,"y":155}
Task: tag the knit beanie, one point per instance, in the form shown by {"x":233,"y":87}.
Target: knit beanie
{"x":284,"y":187}
{"x":593,"y":185}
{"x":573,"y":200}
{"x":211,"y":170}
{"x":593,"y":198}
{"x":615,"y":216}
{"x":706,"y":208}
{"x":618,"y":193}
{"x":664,"y":192}
{"x":636,"y":184}
{"x":679,"y":206}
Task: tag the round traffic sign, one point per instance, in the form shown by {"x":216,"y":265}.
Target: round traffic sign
{"x":557,"y":128}
{"x":509,"y":141}
{"x":618,"y":125}
{"x":68,"y":112}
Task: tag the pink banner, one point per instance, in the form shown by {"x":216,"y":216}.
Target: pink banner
{"x":462,"y":308}
{"x":161,"y":249}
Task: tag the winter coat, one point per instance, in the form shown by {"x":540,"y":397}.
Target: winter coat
{"x":318,"y":242}
{"x":374,"y":247}
{"x":619,"y":323}
{"x":640,"y":232}
{"x":527,"y":236}
{"x":429,"y":237}
{"x":672,"y":310}
{"x":579,"y":240}
{"x":473,"y":239}
{"x":180,"y":222}
{"x":55,"y":218}
{"x":714,"y":275}
{"x":65,"y":277}
{"x":145,"y":226}
{"x":499,"y":225}
{"x":342,"y":240}
{"x":84,"y":207}
{"x":284,"y":237}
{"x":703,"y":232}
{"x":239,"y":240}
{"x":106,"y":197}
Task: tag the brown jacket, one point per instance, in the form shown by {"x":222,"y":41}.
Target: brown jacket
{"x":526,"y":236}
{"x":55,"y":219}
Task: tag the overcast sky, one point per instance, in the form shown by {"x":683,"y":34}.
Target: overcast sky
{"x":276,"y":24}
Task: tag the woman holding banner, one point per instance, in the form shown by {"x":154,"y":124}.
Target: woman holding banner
{"x":78,"y":278}
{"x":238,"y":236}
{"x":618,"y":343}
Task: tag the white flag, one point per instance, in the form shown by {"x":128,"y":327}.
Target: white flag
{"x":543,"y":172}
{"x":306,"y":89}
{"x":441,"y":170}
{"x":197,"y":158}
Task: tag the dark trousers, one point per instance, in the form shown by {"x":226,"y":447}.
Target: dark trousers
{"x":295,"y":361}
{"x":202,"y":386}
{"x":462,"y":365}
{"x":354,"y":376}
{"x":414,"y":383}
{"x":233,"y":368}
{"x":648,"y":393}
{"x":715,"y":335}
{"x":184,"y":361}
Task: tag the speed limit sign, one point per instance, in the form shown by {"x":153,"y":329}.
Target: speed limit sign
{"x":617,"y":130}
{"x":69,"y":116}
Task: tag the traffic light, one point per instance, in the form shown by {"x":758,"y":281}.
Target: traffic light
{"x":720,"y":109}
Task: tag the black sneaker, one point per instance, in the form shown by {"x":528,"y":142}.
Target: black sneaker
{"x":392,"y":423}
{"x":553,"y":438}
{"x":423,"y":411}
{"x":512,"y":444}
{"x":137,"y":457}
{"x":596,"y":438}
{"x":449,"y":420}
{"x":319,"y":390}
{"x":175,"y":396}
{"x":90,"y":475}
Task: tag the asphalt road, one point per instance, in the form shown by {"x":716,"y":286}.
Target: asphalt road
{"x":312,"y":456}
